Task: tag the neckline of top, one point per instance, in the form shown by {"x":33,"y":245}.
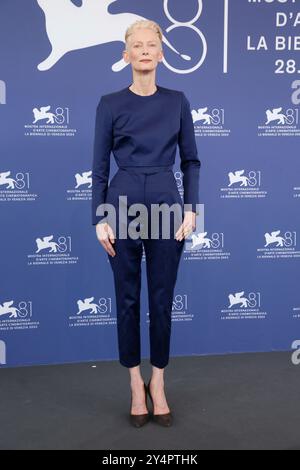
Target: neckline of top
{"x":143,"y":96}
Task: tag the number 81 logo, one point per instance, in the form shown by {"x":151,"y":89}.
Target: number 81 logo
{"x":191,"y":25}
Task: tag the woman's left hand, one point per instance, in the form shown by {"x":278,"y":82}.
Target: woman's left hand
{"x":187,"y":227}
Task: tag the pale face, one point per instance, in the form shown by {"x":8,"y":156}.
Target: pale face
{"x":143,"y":44}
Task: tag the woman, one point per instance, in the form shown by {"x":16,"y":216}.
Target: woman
{"x":142,"y":124}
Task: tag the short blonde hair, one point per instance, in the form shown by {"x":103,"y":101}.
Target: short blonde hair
{"x":139,"y":24}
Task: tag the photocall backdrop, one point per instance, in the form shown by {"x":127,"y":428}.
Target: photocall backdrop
{"x":238,"y":63}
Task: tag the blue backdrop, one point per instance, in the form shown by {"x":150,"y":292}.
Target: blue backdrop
{"x":238,"y":63}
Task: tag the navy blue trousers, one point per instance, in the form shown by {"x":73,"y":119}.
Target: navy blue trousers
{"x":146,"y":185}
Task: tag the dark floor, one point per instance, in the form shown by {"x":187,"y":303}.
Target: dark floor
{"x":246,"y":401}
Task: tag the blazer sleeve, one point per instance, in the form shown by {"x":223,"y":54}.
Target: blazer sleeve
{"x":190,"y":163}
{"x":103,"y":143}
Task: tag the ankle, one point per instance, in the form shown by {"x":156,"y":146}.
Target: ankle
{"x":136,"y":381}
{"x":157,"y":382}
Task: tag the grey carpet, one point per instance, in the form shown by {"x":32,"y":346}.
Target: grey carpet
{"x":240,"y":401}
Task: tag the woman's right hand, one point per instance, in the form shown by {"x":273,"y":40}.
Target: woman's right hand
{"x":106,"y":237}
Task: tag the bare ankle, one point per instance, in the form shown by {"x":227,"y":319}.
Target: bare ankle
{"x":136,"y":381}
{"x":157,"y":380}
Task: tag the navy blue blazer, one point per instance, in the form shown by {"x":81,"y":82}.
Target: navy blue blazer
{"x":144,"y":131}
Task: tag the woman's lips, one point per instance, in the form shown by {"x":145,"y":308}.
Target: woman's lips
{"x":146,"y":60}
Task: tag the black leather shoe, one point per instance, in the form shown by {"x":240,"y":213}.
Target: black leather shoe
{"x":165,"y":419}
{"x":139,"y":420}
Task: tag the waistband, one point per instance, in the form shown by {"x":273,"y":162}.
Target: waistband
{"x":146,"y":169}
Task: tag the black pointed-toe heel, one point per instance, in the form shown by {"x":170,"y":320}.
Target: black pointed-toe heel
{"x":139,"y":420}
{"x":165,"y":419}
